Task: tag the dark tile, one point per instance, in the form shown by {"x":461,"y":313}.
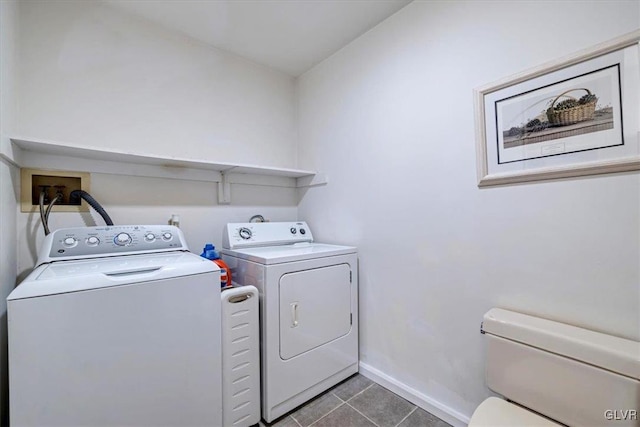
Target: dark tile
{"x":421,"y":418}
{"x":316,"y":409}
{"x":351,"y":386}
{"x":344,"y":416}
{"x":384,"y":408}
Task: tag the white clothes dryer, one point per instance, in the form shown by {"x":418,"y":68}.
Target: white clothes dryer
{"x":308,"y":308}
{"x":117,"y":325}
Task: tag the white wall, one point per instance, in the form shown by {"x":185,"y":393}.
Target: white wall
{"x":93,"y":75}
{"x":389,"y":119}
{"x":8,"y":186}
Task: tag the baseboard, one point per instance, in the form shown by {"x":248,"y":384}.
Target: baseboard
{"x":425,"y":402}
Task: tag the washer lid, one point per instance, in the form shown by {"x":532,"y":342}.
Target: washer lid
{"x":73,"y":276}
{"x":289,"y":253}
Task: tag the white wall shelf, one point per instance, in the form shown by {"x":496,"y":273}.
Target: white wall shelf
{"x":35,"y":153}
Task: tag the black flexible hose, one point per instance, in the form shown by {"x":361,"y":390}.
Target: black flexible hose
{"x":48,"y":211}
{"x":43,"y":217}
{"x":93,"y":203}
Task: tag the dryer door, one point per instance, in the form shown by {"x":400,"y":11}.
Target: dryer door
{"x":315,"y":308}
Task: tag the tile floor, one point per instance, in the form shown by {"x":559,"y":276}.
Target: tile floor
{"x":358,"y":402}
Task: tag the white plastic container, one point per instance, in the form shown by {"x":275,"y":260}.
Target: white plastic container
{"x":240,"y":357}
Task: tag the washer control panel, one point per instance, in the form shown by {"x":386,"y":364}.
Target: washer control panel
{"x":251,"y":234}
{"x":90,"y":242}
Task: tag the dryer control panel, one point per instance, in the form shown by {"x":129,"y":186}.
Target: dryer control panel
{"x":252,"y":234}
{"x":94,"y":242}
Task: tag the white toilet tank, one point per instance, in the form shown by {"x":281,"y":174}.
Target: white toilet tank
{"x":573,"y":375}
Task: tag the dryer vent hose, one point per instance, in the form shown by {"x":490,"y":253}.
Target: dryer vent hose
{"x":93,"y":203}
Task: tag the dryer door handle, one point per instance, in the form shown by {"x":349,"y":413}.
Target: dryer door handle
{"x":294,"y":314}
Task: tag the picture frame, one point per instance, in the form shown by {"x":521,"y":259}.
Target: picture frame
{"x":575,"y":116}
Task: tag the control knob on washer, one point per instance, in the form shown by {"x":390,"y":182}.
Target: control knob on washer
{"x":245,"y":233}
{"x":122,"y":239}
{"x":149,"y":237}
{"x":167,"y":236}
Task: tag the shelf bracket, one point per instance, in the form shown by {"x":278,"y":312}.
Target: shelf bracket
{"x":312,"y":180}
{"x":224,"y":190}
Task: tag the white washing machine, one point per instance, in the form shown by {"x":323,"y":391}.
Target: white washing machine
{"x":117,"y":325}
{"x":308,"y":308}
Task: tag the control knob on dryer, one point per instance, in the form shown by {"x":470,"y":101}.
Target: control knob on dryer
{"x":245,"y":233}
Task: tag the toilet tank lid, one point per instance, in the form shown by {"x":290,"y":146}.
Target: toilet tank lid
{"x":615,"y":354}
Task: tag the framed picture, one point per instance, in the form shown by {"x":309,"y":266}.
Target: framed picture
{"x":575,"y":116}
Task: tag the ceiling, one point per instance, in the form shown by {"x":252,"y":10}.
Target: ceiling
{"x":288,"y":35}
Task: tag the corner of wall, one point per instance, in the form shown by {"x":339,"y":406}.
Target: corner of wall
{"x":9,"y":185}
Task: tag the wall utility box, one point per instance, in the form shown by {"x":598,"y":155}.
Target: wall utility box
{"x":34,"y":181}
